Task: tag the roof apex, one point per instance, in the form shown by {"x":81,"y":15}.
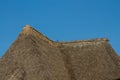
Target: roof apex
{"x":27,"y":29}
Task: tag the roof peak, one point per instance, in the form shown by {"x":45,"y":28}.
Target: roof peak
{"x":27,"y":26}
{"x":27,"y":29}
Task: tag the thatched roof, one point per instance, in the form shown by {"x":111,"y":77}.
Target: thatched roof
{"x":35,"y":57}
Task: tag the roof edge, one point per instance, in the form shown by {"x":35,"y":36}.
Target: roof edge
{"x":28,"y":30}
{"x":89,"y":40}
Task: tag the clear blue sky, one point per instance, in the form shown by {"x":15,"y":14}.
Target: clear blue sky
{"x":62,"y":20}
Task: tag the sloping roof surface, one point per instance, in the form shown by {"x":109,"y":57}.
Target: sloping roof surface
{"x":35,"y":57}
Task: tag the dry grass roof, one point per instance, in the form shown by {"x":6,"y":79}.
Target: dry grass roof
{"x":33,"y":56}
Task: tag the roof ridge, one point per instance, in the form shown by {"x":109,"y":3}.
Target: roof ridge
{"x":28,"y":30}
{"x":89,"y":40}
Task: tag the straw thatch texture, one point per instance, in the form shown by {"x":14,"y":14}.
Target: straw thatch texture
{"x":34,"y":57}
{"x":91,"y":60}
